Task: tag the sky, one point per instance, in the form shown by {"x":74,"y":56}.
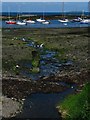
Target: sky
{"x":45,"y":0}
{"x":46,"y":6}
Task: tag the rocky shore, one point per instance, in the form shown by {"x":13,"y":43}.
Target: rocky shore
{"x":10,"y":107}
{"x":16,"y":89}
{"x":20,"y":89}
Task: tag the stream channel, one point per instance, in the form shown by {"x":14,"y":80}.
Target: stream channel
{"x":41,"y":105}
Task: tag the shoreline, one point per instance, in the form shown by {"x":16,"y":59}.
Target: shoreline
{"x":47,"y":17}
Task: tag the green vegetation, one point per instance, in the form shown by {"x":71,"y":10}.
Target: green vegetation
{"x":35,"y":61}
{"x":76,"y":107}
{"x":35,"y":70}
{"x":70,"y":44}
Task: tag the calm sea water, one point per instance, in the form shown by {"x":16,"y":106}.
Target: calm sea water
{"x":45,"y":13}
{"x":53,"y":24}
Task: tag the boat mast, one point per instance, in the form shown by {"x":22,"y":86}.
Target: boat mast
{"x":82,"y":16}
{"x":62,"y":9}
{"x":43,"y":15}
{"x":8,"y":14}
{"x":89,"y":7}
{"x":19,"y":14}
{"x":43,"y":12}
{"x":29,"y":17}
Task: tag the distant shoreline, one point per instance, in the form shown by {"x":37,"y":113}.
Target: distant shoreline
{"x":47,"y":15}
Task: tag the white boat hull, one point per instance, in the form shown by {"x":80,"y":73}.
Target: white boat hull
{"x":77,"y":19}
{"x":85,"y":21}
{"x":30,"y":21}
{"x":46,"y":22}
{"x":21,"y":23}
{"x":64,"y":21}
{"x":40,"y":20}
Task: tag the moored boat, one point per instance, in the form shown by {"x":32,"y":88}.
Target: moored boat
{"x":63,"y":20}
{"x":77,"y":19}
{"x":10,"y":22}
{"x":85,"y":21}
{"x":46,"y":22}
{"x":21,"y":23}
{"x":40,"y":20}
{"x":30,"y":21}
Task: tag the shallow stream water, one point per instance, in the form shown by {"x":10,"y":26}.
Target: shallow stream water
{"x":49,"y":64}
{"x":40,"y":105}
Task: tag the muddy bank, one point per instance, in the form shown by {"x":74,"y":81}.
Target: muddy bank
{"x":78,"y":77}
{"x":20,"y":88}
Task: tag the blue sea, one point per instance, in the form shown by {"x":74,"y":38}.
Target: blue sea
{"x":45,"y":13}
{"x":53,"y":24}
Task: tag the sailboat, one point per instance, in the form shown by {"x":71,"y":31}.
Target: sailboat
{"x":19,"y":22}
{"x":63,"y":20}
{"x":46,"y":22}
{"x":41,"y":19}
{"x":77,"y":19}
{"x":10,"y":21}
{"x":85,"y":20}
{"x":30,"y":21}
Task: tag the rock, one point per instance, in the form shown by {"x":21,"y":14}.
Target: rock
{"x":10,"y":107}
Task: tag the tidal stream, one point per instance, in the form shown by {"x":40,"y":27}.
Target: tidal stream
{"x":41,"y":105}
{"x":49,"y":64}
